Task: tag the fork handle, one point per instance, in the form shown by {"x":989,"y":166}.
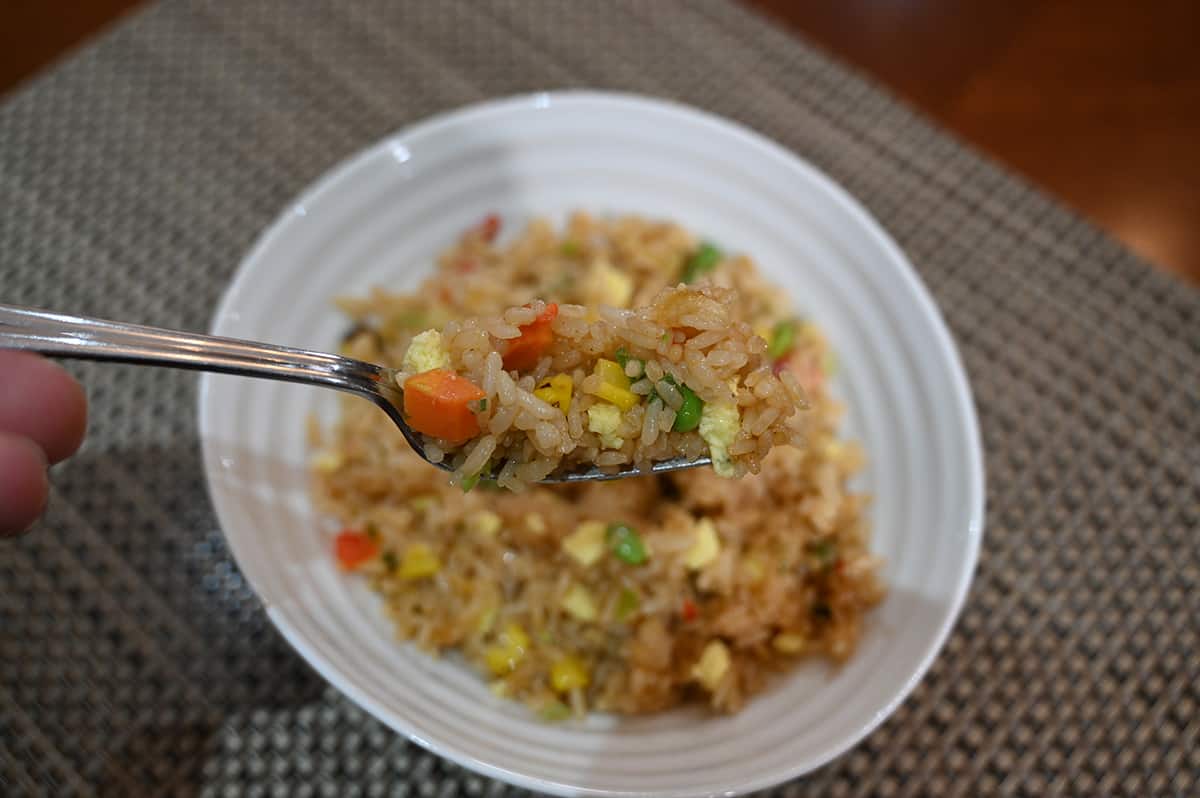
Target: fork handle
{"x":79,"y":337}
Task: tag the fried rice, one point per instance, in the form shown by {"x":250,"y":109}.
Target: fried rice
{"x":630,"y":596}
{"x":550,"y":388}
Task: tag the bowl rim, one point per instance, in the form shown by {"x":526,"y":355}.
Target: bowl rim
{"x":947,"y":351}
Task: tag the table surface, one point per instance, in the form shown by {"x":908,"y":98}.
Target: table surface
{"x":135,"y":660}
{"x":1098,"y":102}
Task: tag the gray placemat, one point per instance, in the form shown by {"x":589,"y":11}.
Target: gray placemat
{"x":134,"y":660}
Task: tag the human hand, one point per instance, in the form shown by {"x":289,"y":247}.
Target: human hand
{"x":43,"y":415}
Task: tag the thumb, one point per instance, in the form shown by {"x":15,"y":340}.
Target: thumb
{"x":24,"y":486}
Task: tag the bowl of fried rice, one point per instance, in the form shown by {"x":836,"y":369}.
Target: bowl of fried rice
{"x":579,"y":280}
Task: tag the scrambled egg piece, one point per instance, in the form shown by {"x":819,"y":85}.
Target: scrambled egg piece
{"x":752,"y":570}
{"x":605,"y":285}
{"x":579,"y":603}
{"x":788,"y":643}
{"x":719,"y":425}
{"x":706,"y":546}
{"x":327,"y":462}
{"x":485,"y":523}
{"x":713,"y":664}
{"x":426,"y":353}
{"x":586,"y":544}
{"x":604,"y":419}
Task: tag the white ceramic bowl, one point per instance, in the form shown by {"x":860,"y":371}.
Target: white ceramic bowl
{"x":379,"y":219}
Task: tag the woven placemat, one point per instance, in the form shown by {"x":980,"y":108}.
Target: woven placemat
{"x":135,"y":661}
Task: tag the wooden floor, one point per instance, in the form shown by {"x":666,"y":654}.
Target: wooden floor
{"x":1096,"y":100}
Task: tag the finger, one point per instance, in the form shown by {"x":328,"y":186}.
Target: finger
{"x":23,"y":483}
{"x":41,"y":401}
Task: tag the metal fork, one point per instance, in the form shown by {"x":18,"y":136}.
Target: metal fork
{"x":79,"y":337}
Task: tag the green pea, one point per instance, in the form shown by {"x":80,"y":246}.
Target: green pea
{"x":783,"y":338}
{"x":555,"y":711}
{"x":627,"y":604}
{"x":623,"y":359}
{"x":701,"y":262}
{"x":470,"y":481}
{"x":687,"y":418}
{"x":626,"y":544}
{"x":825,"y":551}
{"x":830,"y":365}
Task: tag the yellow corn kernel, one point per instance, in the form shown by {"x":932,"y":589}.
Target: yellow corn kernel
{"x":419,"y":561}
{"x":568,"y":674}
{"x":556,"y":391}
{"x":579,"y":604}
{"x":499,"y":660}
{"x":786,"y":643}
{"x":713,"y":664}
{"x":586,"y":544}
{"x":485,"y":524}
{"x":514,"y":637}
{"x":610,"y":371}
{"x":535,"y":523}
{"x":503,"y":657}
{"x":621,"y":397}
{"x":706,"y":546}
